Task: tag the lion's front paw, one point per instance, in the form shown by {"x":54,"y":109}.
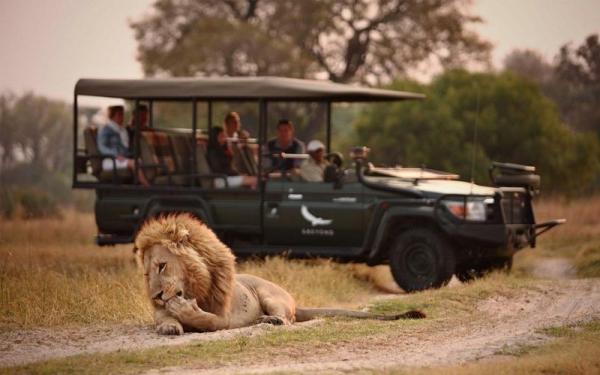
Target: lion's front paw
{"x":271,"y":319}
{"x":170,"y":328}
{"x":182,"y":308}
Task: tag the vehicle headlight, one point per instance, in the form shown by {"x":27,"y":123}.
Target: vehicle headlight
{"x":468,"y":208}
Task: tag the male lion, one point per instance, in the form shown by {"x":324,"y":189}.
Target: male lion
{"x":191,"y":281}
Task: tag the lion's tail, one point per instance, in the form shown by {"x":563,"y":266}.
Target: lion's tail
{"x":304,"y":314}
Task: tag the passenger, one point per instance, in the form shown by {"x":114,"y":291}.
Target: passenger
{"x":233,"y":127}
{"x":313,"y":168}
{"x":113,"y":140}
{"x":131,"y":127}
{"x":285,"y":142}
{"x":220,"y":157}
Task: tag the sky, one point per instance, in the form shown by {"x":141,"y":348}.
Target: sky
{"x":48,"y":44}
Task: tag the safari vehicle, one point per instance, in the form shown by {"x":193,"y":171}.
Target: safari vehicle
{"x":428,"y":225}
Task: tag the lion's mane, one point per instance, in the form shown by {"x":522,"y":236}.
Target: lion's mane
{"x":208,"y":264}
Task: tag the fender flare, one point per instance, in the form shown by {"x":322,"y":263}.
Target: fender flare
{"x":375,"y":250}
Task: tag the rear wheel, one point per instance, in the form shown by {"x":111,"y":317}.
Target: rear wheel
{"x":421,"y":259}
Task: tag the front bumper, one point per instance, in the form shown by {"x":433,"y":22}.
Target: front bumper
{"x":499,"y":239}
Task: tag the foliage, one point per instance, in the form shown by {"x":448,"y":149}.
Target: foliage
{"x":27,"y":203}
{"x":529,"y":64}
{"x":366,"y":40}
{"x":35,"y":150}
{"x":34,"y":129}
{"x":514,"y":123}
{"x":579,"y":71}
{"x":572,"y":81}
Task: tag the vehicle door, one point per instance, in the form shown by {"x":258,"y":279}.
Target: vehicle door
{"x":314,"y":214}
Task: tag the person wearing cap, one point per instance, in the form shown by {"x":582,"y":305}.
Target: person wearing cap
{"x":113,"y":140}
{"x":312,"y":169}
{"x":285,"y":142}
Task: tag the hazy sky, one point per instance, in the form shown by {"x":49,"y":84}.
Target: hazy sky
{"x":48,"y":44}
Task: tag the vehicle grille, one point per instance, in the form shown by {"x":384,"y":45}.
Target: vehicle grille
{"x":514,"y":207}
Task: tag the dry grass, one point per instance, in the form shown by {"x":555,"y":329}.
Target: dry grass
{"x":51,"y":274}
{"x":578,"y":239}
{"x":583,"y":218}
{"x":314,"y":282}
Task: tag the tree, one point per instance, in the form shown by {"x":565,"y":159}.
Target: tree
{"x":371,"y":41}
{"x":579,"y":71}
{"x":529,"y":64}
{"x":8,"y":130}
{"x":515,"y":123}
{"x":572,"y":81}
{"x":43,"y":131}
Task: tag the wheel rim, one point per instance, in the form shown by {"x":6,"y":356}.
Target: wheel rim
{"x":420,"y":262}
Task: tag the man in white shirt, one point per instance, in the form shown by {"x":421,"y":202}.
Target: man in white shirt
{"x":312,"y":169}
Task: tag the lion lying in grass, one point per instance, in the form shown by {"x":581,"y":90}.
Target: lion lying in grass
{"x":191,"y":281}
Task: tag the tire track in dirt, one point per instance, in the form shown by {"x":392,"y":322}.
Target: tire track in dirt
{"x":28,"y":346}
{"x":503,"y":323}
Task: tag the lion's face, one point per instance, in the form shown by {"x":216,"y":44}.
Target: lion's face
{"x":164,"y":275}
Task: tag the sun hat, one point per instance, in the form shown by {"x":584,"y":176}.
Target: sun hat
{"x":315,"y":145}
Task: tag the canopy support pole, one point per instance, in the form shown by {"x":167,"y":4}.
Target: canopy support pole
{"x":75,"y":128}
{"x":328,"y":121}
{"x":194,"y":140}
{"x":262,"y":135}
{"x":136,"y":141}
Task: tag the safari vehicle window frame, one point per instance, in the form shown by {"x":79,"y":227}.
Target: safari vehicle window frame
{"x":314,"y":91}
{"x":193,"y":187}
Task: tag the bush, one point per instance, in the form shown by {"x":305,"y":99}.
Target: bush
{"x":7,"y":203}
{"x":515,"y":123}
{"x":27,"y":203}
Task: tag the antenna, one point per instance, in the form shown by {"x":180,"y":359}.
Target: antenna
{"x":475,"y":139}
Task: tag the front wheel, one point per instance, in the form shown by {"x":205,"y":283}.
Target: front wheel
{"x":421,"y":259}
{"x":466,"y":273}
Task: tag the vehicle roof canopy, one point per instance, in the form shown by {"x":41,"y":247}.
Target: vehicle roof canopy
{"x":236,"y":88}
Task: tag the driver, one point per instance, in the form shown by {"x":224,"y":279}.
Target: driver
{"x":287,"y":143}
{"x":312,"y":169}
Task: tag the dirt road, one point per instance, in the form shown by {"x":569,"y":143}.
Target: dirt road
{"x":502,"y":323}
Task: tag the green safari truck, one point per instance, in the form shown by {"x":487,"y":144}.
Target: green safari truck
{"x":426,"y":224}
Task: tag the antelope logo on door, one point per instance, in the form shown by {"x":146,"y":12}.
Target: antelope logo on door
{"x":312,"y":219}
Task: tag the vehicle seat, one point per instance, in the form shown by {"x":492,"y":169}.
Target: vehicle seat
{"x":202,"y":166}
{"x":149,"y":156}
{"x":182,"y":153}
{"x":243,"y":159}
{"x":90,"y":134}
{"x":249,"y":152}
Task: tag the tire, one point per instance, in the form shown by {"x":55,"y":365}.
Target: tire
{"x":421,"y":259}
{"x":469,"y":273}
